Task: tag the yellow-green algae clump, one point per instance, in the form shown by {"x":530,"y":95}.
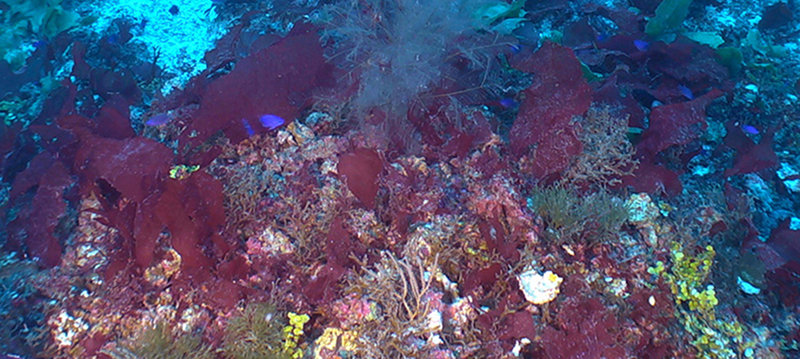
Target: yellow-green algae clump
{"x":696,"y":303}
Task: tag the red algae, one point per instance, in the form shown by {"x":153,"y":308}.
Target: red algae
{"x":559,"y":92}
{"x":278,"y":79}
{"x":360,"y":169}
{"x":49,"y":178}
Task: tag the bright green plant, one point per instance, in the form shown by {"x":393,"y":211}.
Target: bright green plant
{"x":669,"y":15}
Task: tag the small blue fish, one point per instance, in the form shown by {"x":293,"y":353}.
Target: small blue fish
{"x":686,"y":92}
{"x":271,"y":122}
{"x":248,"y":128}
{"x":112,"y":39}
{"x":750,"y":129}
{"x":508,"y":102}
{"x":641,"y":45}
{"x":515,"y":48}
{"x":158,"y":120}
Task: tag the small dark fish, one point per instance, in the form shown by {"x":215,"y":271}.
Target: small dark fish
{"x":750,"y":129}
{"x":271,"y":122}
{"x":158,"y":120}
{"x":173,"y":10}
{"x":641,"y":45}
{"x":248,"y":128}
{"x":39,"y":43}
{"x":686,"y":92}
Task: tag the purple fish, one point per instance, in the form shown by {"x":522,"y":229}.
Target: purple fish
{"x":248,"y":128}
{"x":750,"y":129}
{"x":271,"y":122}
{"x":158,"y":120}
{"x":641,"y":45}
{"x":686,"y":92}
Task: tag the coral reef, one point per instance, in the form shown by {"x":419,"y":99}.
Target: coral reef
{"x":397,"y":179}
